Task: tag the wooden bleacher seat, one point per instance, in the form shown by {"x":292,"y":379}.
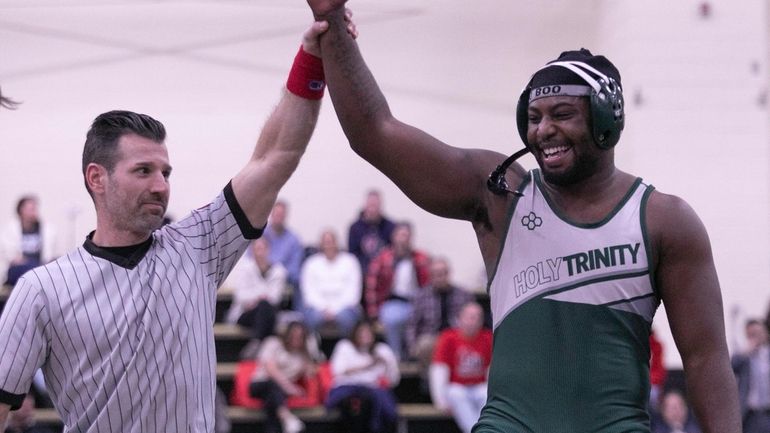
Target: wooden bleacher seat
{"x":226,"y":331}
{"x":414,"y":417}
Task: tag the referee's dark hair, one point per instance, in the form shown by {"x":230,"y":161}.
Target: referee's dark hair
{"x":102,"y":139}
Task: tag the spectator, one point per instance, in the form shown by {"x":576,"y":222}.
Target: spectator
{"x":283,"y":362}
{"x":23,"y":420}
{"x":393,"y":278}
{"x":364,"y":373}
{"x":331,"y":286}
{"x":674,"y":415}
{"x":752,"y":369}
{"x":436,"y":308}
{"x":285,"y":248}
{"x":26,"y":242}
{"x":371,"y":232}
{"x":258,"y":286}
{"x":458,"y":374}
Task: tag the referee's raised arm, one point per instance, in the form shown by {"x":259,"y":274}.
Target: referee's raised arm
{"x":286,"y":133}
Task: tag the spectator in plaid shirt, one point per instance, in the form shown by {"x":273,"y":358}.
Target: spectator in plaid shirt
{"x":435,"y":308}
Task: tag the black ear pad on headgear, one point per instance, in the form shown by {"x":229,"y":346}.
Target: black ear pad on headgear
{"x":605,"y":95}
{"x":607,"y":115}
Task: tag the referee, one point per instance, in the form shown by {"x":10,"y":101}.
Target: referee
{"x":122,"y":325}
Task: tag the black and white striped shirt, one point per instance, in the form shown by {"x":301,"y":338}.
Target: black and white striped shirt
{"x":126,"y":341}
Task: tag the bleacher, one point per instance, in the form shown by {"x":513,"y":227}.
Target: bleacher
{"x":416,"y":413}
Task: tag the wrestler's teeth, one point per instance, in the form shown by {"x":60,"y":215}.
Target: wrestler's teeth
{"x":554,"y":150}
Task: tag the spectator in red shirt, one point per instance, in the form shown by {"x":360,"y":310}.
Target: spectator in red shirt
{"x":458,"y":374}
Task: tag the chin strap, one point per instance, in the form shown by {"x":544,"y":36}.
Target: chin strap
{"x":497,"y":183}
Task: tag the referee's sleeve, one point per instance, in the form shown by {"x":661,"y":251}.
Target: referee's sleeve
{"x":219,"y":233}
{"x":24,"y":342}
{"x":247,"y":230}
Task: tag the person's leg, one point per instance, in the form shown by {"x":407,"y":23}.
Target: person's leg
{"x":260,"y":320}
{"x":384,"y":410}
{"x":313,"y":318}
{"x":297,"y":303}
{"x":393,"y":315}
{"x":347,"y":318}
{"x":247,"y":318}
{"x":272,"y":397}
{"x":356,"y":411}
{"x":478,"y":394}
{"x":289,"y":422}
{"x":423,"y":353}
{"x":264,"y":320}
{"x":463,"y":410}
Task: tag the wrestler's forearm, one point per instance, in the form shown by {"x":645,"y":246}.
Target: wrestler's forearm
{"x":360,"y":105}
{"x":712,"y":393}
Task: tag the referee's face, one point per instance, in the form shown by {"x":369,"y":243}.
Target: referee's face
{"x":137,"y":191}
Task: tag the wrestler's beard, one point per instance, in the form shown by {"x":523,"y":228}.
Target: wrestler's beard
{"x":585,"y":165}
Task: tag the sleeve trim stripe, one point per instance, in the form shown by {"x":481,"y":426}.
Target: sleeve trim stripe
{"x":249,"y":232}
{"x":14,"y":400}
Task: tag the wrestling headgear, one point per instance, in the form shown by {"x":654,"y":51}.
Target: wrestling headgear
{"x":579,"y":73}
{"x":574,"y":73}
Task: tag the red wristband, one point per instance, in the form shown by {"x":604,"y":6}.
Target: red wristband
{"x":306,"y":78}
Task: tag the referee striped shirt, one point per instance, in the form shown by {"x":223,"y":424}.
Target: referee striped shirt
{"x":125,"y":335}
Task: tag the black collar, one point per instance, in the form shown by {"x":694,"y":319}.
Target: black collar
{"x":126,"y":257}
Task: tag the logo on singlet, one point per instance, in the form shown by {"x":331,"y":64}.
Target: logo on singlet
{"x":550,"y":270}
{"x":531,"y":221}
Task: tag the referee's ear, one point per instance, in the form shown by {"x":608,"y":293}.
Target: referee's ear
{"x":96,"y":178}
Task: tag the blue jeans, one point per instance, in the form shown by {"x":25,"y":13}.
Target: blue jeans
{"x":393,"y":315}
{"x":382,"y":402}
{"x":345,"y":319}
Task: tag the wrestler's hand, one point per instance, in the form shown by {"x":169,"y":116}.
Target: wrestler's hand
{"x":310,"y":42}
{"x":323,"y":7}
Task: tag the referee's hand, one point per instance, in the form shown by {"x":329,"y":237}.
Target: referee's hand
{"x":310,"y":42}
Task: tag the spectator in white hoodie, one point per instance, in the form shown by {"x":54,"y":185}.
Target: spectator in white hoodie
{"x":331,"y":286}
